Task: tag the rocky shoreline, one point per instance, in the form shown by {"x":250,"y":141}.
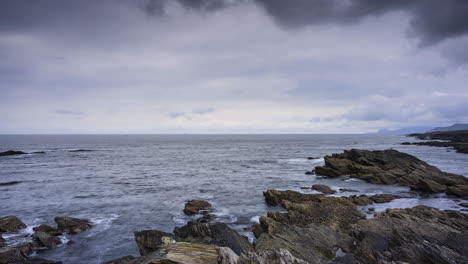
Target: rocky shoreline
{"x":315,"y":228}
{"x":457,"y":140}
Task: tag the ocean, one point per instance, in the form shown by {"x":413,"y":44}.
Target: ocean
{"x":126,"y":183}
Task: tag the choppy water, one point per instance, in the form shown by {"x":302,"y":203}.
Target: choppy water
{"x":136,"y":182}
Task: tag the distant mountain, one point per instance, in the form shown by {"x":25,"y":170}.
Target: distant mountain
{"x":403,"y":131}
{"x":450,"y":128}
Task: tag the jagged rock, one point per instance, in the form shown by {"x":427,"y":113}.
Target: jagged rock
{"x":275,"y":197}
{"x":12,"y":152}
{"x":48,"y":229}
{"x":337,"y":213}
{"x":361,"y":200}
{"x":46,"y":239}
{"x":218,"y":234}
{"x":72,"y":225}
{"x":2,"y":241}
{"x":42,"y":261}
{"x":181,"y":253}
{"x":12,"y":256}
{"x":383,"y":198}
{"x":392,"y":167}
{"x":150,"y":240}
{"x":323,"y":189}
{"x":463,"y":204}
{"x":11,"y":224}
{"x":122,"y":260}
{"x":460,"y":190}
{"x":194,"y":207}
{"x":270,"y":256}
{"x":413,"y":235}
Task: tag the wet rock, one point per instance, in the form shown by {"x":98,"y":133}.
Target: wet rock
{"x":72,"y":225}
{"x":122,"y":260}
{"x":348,"y":190}
{"x":12,"y":152}
{"x":323,"y":189}
{"x":391,"y":167}
{"x":194,"y":207}
{"x":360,"y":200}
{"x":383,"y":198}
{"x":338,"y":213}
{"x":270,"y":256}
{"x":406,"y":143}
{"x":275,"y":197}
{"x":305,"y":188}
{"x":218,"y":234}
{"x":48,"y":229}
{"x":457,"y":139}
{"x":9,"y":183}
{"x":2,"y":241}
{"x":312,"y":158}
{"x":460,"y":190}
{"x":39,"y":152}
{"x":182,"y":253}
{"x":413,"y":235}
{"x":463,"y":204}
{"x":46,"y":239}
{"x":312,"y":172}
{"x":81,"y":150}
{"x":42,"y":261}
{"x":150,"y":240}
{"x":11,"y":224}
{"x":11,"y":256}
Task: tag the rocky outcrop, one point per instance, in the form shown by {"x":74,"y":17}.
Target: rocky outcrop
{"x":414,"y":235}
{"x":72,"y":225}
{"x":392,"y":167}
{"x":316,"y":227}
{"x":218,"y":234}
{"x":323,"y":189}
{"x":11,"y":153}
{"x":455,"y":139}
{"x":9,"y":183}
{"x":11,"y":224}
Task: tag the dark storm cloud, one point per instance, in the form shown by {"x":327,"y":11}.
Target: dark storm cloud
{"x":432,"y":21}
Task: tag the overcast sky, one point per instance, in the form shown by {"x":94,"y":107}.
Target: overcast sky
{"x":232,"y":66}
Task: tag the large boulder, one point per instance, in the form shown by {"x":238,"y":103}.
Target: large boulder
{"x":218,"y":234}
{"x":413,"y":235}
{"x":11,"y":224}
{"x":460,"y":190}
{"x":72,"y":225}
{"x":390,"y":167}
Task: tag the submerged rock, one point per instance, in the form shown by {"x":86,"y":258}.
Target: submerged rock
{"x":9,"y":183}
{"x":392,"y":167}
{"x":72,"y":225}
{"x":460,"y":190}
{"x":11,"y":224}
{"x":12,"y":152}
{"x":323,"y":189}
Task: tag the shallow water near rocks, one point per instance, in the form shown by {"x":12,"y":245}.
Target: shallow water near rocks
{"x":128,"y":183}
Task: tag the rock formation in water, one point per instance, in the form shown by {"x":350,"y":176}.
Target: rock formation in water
{"x":393,"y":167}
{"x":455,"y":139}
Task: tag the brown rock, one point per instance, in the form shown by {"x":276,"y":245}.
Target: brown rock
{"x":323,"y":189}
{"x":46,"y":239}
{"x":11,"y":224}
{"x":194,"y":207}
{"x":150,"y":240}
{"x":72,"y":225}
{"x":459,"y":190}
{"x":48,"y":229}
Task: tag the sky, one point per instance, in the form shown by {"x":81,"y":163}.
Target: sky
{"x":231,"y":66}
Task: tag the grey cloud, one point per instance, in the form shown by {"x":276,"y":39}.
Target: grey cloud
{"x":69,"y":112}
{"x":175,"y":115}
{"x":432,"y":21}
{"x":202,"y":111}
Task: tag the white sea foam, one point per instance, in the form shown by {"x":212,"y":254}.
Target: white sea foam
{"x":255,"y":219}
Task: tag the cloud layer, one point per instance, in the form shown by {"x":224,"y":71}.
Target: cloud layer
{"x":247,"y":66}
